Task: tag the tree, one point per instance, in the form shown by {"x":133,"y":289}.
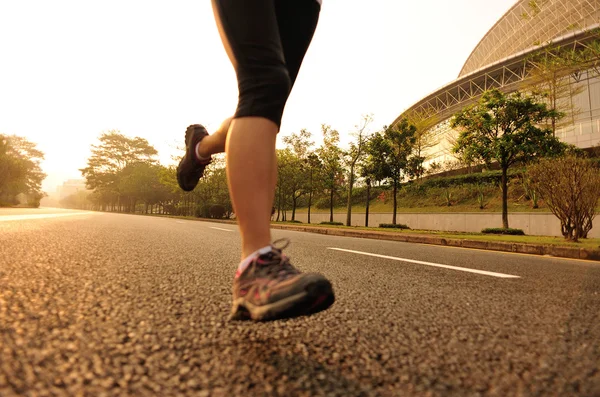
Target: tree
{"x":570,"y":186}
{"x":424,"y":139}
{"x":110,"y":157}
{"x":314,"y":168}
{"x":20,"y":170}
{"x":288,"y":181}
{"x":355,"y":154}
{"x":503,"y":128}
{"x":550,"y":72}
{"x":298,"y":179}
{"x":332,"y":171}
{"x":389,"y":152}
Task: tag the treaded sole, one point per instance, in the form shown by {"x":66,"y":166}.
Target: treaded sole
{"x":183,"y":184}
{"x":316,"y":297}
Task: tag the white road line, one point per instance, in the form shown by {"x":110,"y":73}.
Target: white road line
{"x":218,"y":228}
{"x":4,"y":218}
{"x":462,"y":269}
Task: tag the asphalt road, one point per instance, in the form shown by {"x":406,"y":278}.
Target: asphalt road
{"x":105,"y":304}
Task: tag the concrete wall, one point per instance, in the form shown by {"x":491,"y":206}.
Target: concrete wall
{"x":540,"y":224}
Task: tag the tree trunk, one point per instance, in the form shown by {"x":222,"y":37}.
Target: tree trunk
{"x":504,"y":197}
{"x":395,"y":202}
{"x":310,"y":194}
{"x":349,"y":205}
{"x":331,"y":205}
{"x":368,"y":199}
{"x":294,"y":199}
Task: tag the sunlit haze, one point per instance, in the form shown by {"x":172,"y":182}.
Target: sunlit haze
{"x":73,"y":69}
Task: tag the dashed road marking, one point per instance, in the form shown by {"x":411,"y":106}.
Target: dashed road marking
{"x":462,"y":269}
{"x":218,"y":228}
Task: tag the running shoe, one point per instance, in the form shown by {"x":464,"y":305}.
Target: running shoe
{"x":270,"y":288}
{"x":190,"y":168}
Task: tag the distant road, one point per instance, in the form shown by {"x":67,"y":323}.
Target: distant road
{"x":107,"y":304}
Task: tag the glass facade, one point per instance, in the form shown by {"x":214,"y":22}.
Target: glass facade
{"x":583,"y":131}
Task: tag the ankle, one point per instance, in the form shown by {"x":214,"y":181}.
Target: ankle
{"x":255,"y":249}
{"x":201,"y":152}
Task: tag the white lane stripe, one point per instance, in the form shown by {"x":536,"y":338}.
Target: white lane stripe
{"x":218,"y":228}
{"x":462,"y":269}
{"x":4,"y":218}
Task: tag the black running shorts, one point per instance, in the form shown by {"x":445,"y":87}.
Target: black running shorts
{"x":266,"y":41}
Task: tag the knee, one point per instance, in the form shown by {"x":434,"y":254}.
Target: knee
{"x":263,"y":92}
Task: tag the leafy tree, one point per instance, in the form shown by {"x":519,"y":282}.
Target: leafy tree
{"x":332,"y":171}
{"x":570,"y":187}
{"x":298,"y":181}
{"x":20,"y":170}
{"x":389,"y":153}
{"x":141,"y":181}
{"x":354,"y":155}
{"x":550,"y":73}
{"x":110,"y":157}
{"x":424,"y":139}
{"x":504,"y":129}
{"x":314,"y":171}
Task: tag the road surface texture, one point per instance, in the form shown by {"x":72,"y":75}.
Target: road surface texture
{"x":95,"y":304}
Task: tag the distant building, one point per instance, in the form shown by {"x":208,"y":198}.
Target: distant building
{"x":70,"y":187}
{"x":501,"y":60}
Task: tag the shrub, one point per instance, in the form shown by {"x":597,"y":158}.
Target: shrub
{"x":332,"y":223}
{"x":322,"y":203}
{"x":393,"y":226}
{"x":570,"y":186}
{"x":217,"y":211}
{"x":203,"y":211}
{"x":294,"y":221}
{"x":500,"y":230}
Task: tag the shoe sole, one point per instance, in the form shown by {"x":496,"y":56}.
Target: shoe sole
{"x":188,"y":152}
{"x":316,"y":297}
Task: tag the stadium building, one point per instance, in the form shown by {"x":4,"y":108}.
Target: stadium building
{"x":504,"y":59}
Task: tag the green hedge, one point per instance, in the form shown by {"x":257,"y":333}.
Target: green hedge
{"x":332,"y":223}
{"x":500,"y":230}
{"x":393,"y":226}
{"x":489,"y":177}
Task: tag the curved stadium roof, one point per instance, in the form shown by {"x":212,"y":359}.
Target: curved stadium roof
{"x":500,"y":60}
{"x":530,"y":23}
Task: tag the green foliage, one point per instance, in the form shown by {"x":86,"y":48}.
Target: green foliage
{"x":393,"y":226}
{"x":332,"y":170}
{"x":332,"y":223}
{"x":20,"y":170}
{"x":359,"y":194}
{"x":389,"y":153}
{"x":504,"y":129}
{"x":500,"y":230}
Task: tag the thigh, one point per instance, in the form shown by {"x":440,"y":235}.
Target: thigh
{"x":250,"y":32}
{"x":297,"y":21}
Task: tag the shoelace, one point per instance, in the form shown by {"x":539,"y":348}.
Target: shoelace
{"x":277,"y":265}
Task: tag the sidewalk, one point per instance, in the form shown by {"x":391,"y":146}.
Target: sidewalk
{"x":522,"y":248}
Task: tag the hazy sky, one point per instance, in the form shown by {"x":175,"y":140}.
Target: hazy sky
{"x":70,"y":70}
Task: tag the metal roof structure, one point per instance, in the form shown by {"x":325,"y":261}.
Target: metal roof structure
{"x":502,"y":59}
{"x":529,"y":23}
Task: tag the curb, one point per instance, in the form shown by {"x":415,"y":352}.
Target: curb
{"x":520,"y":248}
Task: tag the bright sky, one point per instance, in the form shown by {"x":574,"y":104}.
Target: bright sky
{"x":73,"y":69}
